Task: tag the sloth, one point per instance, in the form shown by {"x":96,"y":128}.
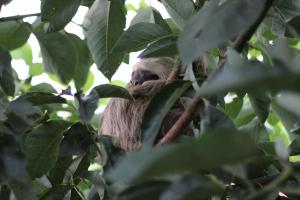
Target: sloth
{"x":122,"y":118}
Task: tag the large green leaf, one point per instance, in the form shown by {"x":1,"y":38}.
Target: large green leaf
{"x":7,"y":82}
{"x":58,"y":13}
{"x":41,"y":98}
{"x":149,"y":15}
{"x":159,"y":107}
{"x":179,"y":10}
{"x":14,"y":34}
{"x":88,"y":104}
{"x":77,"y":140}
{"x":41,"y":146}
{"x":211,"y":151}
{"x":59,"y":54}
{"x":105,"y":22}
{"x":138,"y":36}
{"x":229,"y":19}
{"x":163,"y":47}
{"x":84,"y":61}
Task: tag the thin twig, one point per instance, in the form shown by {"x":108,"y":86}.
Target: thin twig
{"x":17,"y":17}
{"x":197,"y":104}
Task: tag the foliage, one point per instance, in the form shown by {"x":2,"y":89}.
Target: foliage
{"x":246,"y":143}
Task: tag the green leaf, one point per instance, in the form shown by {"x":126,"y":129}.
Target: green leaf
{"x":36,"y":69}
{"x":24,"y":53}
{"x":14,"y":34}
{"x":179,"y":10}
{"x":58,"y":13}
{"x":159,"y":107}
{"x":146,"y":191}
{"x":77,"y":140}
{"x":41,"y":98}
{"x":252,"y":76}
{"x":212,"y":118}
{"x":290,"y":102}
{"x":88,"y":104}
{"x":163,"y":47}
{"x":13,"y":168}
{"x":105,"y":22}
{"x":43,"y":87}
{"x":7,"y":82}
{"x":84,"y":61}
{"x":57,"y":173}
{"x":214,"y":149}
{"x":41,"y":146}
{"x":245,"y":115}
{"x":89,"y":82}
{"x":149,"y":15}
{"x":233,"y":108}
{"x":257,"y":130}
{"x":138,"y":36}
{"x":193,"y":187}
{"x":288,"y":9}
{"x":287,"y":118}
{"x":107,"y":90}
{"x":59,"y":55}
{"x":21,"y":115}
{"x":229,"y":19}
{"x":261,"y":104}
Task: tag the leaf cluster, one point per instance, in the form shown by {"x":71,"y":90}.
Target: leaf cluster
{"x":246,"y":143}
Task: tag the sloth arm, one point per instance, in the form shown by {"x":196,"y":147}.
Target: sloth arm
{"x":146,"y":89}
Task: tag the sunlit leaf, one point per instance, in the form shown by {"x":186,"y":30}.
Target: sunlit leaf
{"x":104,"y":23}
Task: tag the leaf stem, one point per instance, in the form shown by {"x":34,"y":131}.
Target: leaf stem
{"x":17,"y":17}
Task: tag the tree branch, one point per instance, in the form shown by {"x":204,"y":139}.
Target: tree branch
{"x":197,"y":104}
{"x":17,"y":17}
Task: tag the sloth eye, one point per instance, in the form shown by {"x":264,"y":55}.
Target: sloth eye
{"x":154,"y":77}
{"x":132,"y":73}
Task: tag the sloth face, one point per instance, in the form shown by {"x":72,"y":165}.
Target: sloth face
{"x":139,"y":76}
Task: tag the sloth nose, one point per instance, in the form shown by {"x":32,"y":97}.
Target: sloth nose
{"x":136,"y":82}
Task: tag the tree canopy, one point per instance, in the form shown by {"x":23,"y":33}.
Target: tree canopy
{"x":237,"y":75}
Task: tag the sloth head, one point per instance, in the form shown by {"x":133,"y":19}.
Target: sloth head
{"x":151,"y":69}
